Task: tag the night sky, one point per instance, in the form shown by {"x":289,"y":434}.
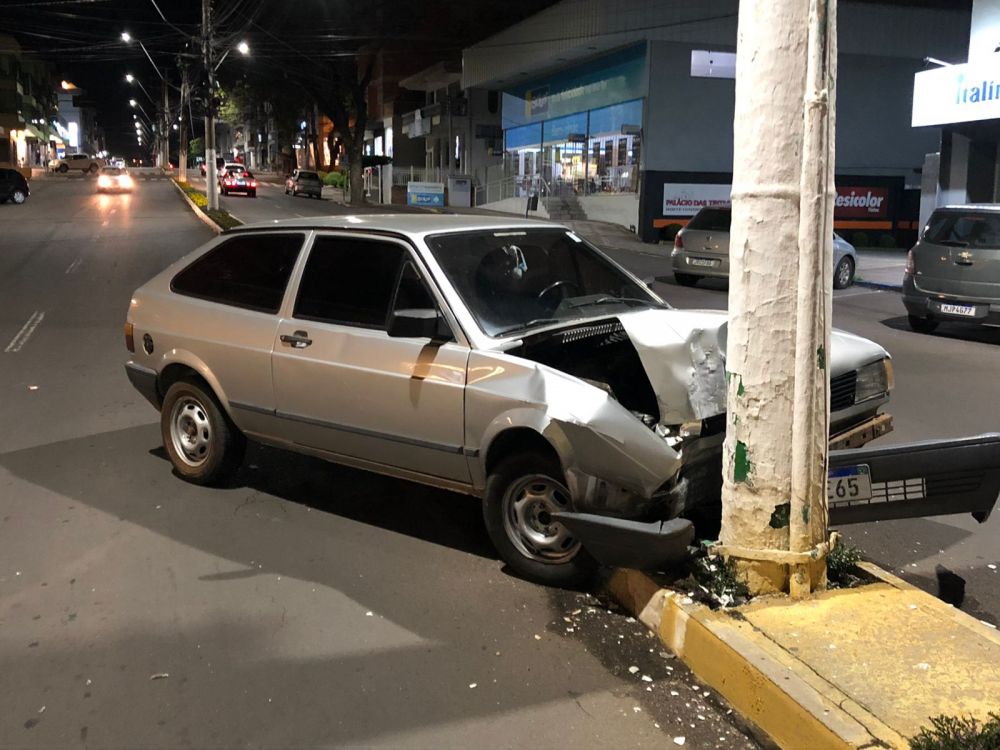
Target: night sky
{"x":83,"y":37}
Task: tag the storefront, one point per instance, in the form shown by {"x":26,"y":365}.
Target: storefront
{"x":578,"y":129}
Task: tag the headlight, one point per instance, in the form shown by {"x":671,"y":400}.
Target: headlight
{"x":873,"y":380}
{"x":103,"y":181}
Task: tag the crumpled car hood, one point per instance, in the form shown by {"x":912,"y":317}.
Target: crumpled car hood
{"x":683,"y":354}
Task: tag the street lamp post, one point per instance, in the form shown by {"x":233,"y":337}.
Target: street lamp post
{"x":163,"y":151}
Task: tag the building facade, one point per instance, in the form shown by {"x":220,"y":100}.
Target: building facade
{"x":28,"y":108}
{"x":623,"y":109}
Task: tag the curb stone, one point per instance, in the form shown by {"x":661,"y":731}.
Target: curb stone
{"x":768,"y":684}
{"x":197,"y":211}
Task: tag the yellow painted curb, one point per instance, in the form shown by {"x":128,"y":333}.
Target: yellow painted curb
{"x":197,"y":211}
{"x":793,"y":704}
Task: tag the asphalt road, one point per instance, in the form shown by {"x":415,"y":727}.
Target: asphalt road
{"x":306,"y":605}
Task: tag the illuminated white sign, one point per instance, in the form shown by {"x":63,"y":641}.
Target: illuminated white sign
{"x":956,"y":93}
{"x":686,"y":199}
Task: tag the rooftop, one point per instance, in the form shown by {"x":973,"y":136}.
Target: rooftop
{"x":411,"y":224}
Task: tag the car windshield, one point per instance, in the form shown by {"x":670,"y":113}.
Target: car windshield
{"x":113,"y":171}
{"x":235,"y":168}
{"x":513,"y":280}
{"x":712,"y":220}
{"x":308,"y":176}
{"x":964,"y":229}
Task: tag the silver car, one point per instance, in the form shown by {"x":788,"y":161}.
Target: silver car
{"x":507,"y":360}
{"x":953,"y":272}
{"x":701,"y":250}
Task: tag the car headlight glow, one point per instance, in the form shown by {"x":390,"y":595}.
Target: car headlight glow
{"x":874,"y":380}
{"x":103,"y":181}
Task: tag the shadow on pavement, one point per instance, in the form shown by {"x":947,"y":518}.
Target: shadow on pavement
{"x":958,"y":331}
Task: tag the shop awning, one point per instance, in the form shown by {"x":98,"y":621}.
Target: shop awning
{"x":30,"y":131}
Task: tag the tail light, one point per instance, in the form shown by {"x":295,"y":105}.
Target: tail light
{"x":909,"y":263}
{"x":129,"y":339}
{"x":253,"y":183}
{"x":679,"y":241}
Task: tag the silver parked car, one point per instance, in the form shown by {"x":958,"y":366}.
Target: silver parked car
{"x":507,"y":360}
{"x":304,"y":182}
{"x":953,"y":272}
{"x":701,"y":250}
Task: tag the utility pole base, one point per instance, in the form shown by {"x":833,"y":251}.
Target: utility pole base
{"x":767,"y":571}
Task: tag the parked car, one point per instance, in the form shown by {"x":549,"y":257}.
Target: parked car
{"x":13,"y":186}
{"x":80,"y":162}
{"x":236,"y":179}
{"x":115,"y":179}
{"x":507,"y":360}
{"x":953,"y":272}
{"x":219,"y":164}
{"x":304,"y":182}
{"x":701,"y":250}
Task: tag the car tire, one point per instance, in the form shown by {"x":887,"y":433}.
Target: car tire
{"x":18,"y":196}
{"x":922,"y":325}
{"x":686,"y":279}
{"x":203,"y":444}
{"x":63,"y":168}
{"x":554,"y":561}
{"x":843,"y":274}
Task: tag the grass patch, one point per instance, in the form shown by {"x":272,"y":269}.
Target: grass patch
{"x":223,"y":218}
{"x":842,"y":570}
{"x":959,"y":733}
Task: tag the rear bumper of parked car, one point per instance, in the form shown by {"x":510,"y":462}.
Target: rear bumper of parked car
{"x":925,"y":304}
{"x":687,"y":262}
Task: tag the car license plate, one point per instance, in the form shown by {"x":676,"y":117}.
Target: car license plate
{"x":849,"y":484}
{"x":967,"y":310}
{"x":707,"y":262}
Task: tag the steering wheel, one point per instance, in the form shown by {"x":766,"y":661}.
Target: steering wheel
{"x":556,"y":284}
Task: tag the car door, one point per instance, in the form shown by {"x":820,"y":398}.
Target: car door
{"x":6,"y":183}
{"x":343,"y":385}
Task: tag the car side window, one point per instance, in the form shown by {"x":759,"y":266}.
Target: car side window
{"x":411,"y":292}
{"x":249,"y":271}
{"x":349,"y":281}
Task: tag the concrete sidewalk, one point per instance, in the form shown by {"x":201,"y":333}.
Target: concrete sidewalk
{"x":852,"y":668}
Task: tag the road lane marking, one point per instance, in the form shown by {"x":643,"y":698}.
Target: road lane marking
{"x":856,"y":292}
{"x":25,"y":333}
{"x":74,"y":265}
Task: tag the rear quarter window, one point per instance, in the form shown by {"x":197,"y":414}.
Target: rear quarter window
{"x":712,"y":220}
{"x":249,"y":271}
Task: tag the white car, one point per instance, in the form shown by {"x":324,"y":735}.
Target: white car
{"x":81,"y":162}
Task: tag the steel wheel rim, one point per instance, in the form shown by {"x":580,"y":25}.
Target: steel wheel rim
{"x":190,"y":431}
{"x":527,"y":507}
{"x":18,"y":196}
{"x":844,"y":272}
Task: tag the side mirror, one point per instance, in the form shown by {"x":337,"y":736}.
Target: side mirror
{"x":423,"y":323}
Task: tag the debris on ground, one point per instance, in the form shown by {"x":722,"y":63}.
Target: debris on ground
{"x":159,"y":676}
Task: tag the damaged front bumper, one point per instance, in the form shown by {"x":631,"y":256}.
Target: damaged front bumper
{"x":620,"y":543}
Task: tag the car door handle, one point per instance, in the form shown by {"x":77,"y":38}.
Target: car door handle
{"x":299,"y":339}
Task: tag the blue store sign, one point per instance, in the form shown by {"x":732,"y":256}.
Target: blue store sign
{"x":425,"y":193}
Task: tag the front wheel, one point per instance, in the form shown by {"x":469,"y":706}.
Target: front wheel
{"x":843,"y":275}
{"x":92,"y":169}
{"x":522,"y":493}
{"x":18,"y":196}
{"x":63,"y":168}
{"x":203,"y":444}
{"x":922,"y":325}
{"x":686,"y":279}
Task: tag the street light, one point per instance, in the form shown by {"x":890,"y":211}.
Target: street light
{"x":133,"y":80}
{"x":243,"y":48}
{"x":126,"y":37}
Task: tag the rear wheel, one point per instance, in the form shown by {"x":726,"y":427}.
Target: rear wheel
{"x":203,"y":444}
{"x":686,"y":279}
{"x":843,"y":274}
{"x":922,"y":325}
{"x":522,"y":493}
{"x":92,"y":169}
{"x":18,"y":196}
{"x":63,"y":168}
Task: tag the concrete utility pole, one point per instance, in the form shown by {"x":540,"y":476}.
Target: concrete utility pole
{"x":165,"y":127}
{"x":774,"y":515}
{"x":182,"y":146}
{"x":211,"y":176}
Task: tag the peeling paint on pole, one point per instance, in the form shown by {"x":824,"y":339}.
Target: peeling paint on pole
{"x":741,"y":463}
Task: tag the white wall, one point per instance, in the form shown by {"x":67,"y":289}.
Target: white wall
{"x":984,"y":34}
{"x":621,"y":209}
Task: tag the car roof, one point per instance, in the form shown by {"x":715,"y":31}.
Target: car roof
{"x":409,"y":224}
{"x":992,"y":207}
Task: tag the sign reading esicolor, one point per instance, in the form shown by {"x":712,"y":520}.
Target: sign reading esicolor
{"x":861,"y":203}
{"x":956,"y":93}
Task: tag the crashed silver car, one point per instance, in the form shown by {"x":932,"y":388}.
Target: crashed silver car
{"x":504,"y":359}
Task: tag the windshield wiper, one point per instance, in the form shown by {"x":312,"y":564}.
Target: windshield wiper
{"x":530,"y":324}
{"x":610,"y":299}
